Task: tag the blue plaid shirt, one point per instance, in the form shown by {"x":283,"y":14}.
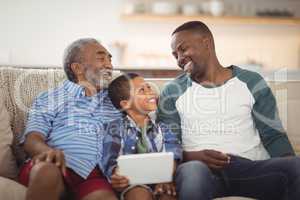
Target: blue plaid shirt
{"x":122,"y":138}
{"x":72,"y":122}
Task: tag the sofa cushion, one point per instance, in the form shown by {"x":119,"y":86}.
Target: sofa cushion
{"x":11,"y":190}
{"x":8,"y":167}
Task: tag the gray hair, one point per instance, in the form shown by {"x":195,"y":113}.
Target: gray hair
{"x":73,"y":54}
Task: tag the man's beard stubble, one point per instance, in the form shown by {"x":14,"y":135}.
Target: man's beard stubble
{"x":195,"y":72}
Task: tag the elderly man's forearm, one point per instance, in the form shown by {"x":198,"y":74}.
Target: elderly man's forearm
{"x":35,"y":144}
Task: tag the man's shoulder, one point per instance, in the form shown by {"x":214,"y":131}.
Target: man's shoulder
{"x":51,"y":92}
{"x":178,"y":85}
{"x":247,"y":76}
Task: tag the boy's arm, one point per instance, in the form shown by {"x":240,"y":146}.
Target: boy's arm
{"x":111,"y":148}
{"x":167,"y":188}
{"x":171,"y":142}
{"x":118,"y":182}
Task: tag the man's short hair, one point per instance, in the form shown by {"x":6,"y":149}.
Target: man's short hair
{"x":196,"y":26}
{"x":119,"y":89}
{"x":73,"y":54}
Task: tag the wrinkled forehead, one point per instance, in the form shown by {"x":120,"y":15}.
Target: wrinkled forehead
{"x":137,"y":82}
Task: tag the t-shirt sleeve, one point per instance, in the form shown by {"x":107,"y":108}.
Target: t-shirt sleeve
{"x":172,"y":143}
{"x":267,"y":121}
{"x":167,"y":112}
{"x":111,"y":147}
{"x":40,"y":118}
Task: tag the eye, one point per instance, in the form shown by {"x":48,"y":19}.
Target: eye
{"x":175,"y":55}
{"x":101,"y":59}
{"x":141,"y":90}
{"x":183,"y":49}
{"x":149,"y":87}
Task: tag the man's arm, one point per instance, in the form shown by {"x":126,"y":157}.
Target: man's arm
{"x":39,"y":151}
{"x":167,"y":112}
{"x":35,"y":144}
{"x":213,"y":159}
{"x":267,"y":121}
{"x":38,"y":128}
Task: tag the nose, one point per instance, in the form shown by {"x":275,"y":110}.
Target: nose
{"x":108,"y":64}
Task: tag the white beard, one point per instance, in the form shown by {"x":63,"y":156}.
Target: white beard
{"x":100,"y":78}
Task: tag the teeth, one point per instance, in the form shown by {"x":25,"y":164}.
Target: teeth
{"x":188,"y":67}
{"x":152,"y":100}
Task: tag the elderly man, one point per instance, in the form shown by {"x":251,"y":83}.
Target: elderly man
{"x":64,"y":133}
{"x":228,"y":121}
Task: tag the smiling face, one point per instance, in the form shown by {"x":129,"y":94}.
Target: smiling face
{"x":192,"y":51}
{"x":95,"y":66}
{"x":142,"y":98}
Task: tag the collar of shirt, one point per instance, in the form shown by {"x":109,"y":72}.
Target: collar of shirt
{"x":152,"y":127}
{"x":77,"y":90}
{"x":131,"y":123}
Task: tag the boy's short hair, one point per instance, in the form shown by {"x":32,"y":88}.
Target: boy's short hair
{"x":119,"y":89}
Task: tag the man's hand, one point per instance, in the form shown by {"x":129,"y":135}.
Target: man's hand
{"x":165,"y":188}
{"x":51,"y":156}
{"x":213,"y":159}
{"x":118,"y":182}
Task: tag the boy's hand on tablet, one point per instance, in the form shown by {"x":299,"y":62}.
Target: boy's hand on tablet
{"x":165,"y":188}
{"x":118,"y":182}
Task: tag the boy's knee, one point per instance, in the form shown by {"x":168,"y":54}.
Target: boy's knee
{"x":167,"y":197}
{"x":100,"y":195}
{"x":138,"y":193}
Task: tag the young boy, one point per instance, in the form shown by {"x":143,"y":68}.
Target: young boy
{"x":136,"y":133}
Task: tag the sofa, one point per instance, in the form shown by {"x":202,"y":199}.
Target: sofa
{"x":20,"y":85}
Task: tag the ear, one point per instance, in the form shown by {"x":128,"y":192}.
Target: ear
{"x":77,"y":70}
{"x":207,"y":42}
{"x":125,"y":104}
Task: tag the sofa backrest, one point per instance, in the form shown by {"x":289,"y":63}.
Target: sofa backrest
{"x":19,"y":86}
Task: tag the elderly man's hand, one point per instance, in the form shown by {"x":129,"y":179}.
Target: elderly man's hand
{"x":52,"y":156}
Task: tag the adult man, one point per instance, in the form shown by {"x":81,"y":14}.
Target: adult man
{"x":228,"y":122}
{"x":64,"y":134}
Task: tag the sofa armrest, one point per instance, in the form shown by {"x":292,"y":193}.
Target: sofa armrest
{"x":11,"y":190}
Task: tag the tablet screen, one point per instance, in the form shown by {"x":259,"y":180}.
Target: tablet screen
{"x":149,"y":168}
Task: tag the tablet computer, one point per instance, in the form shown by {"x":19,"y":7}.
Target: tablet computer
{"x":149,"y":168}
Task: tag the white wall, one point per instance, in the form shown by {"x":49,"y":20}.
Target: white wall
{"x":35,"y":32}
